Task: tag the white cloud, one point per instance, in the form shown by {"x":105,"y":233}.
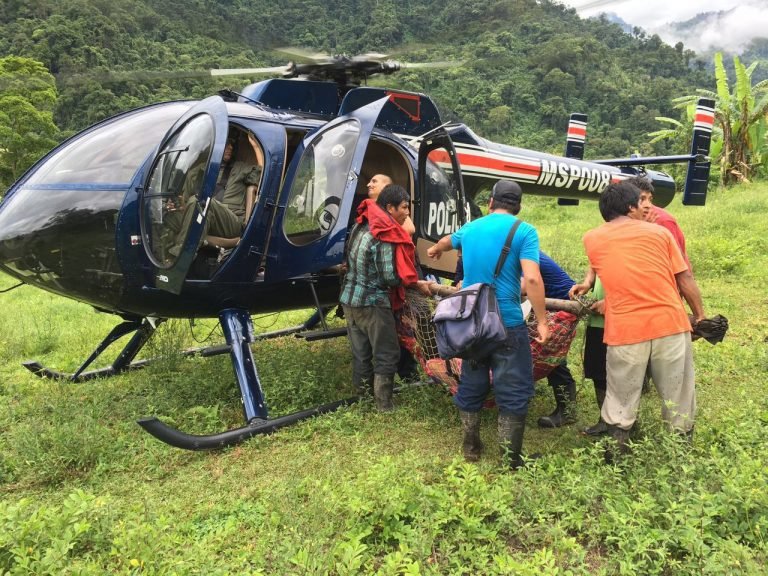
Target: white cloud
{"x":743,"y":19}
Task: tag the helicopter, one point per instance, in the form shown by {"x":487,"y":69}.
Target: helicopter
{"x":97,"y":218}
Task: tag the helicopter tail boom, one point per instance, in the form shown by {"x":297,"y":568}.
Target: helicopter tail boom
{"x":484,"y":162}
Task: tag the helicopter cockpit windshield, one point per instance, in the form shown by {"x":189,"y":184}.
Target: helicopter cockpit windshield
{"x":58,"y":225}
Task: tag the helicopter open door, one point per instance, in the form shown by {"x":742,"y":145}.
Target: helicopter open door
{"x":440,"y":207}
{"x":178,"y":189}
{"x":315,"y":204}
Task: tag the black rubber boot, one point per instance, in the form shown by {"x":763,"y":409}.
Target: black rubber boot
{"x":686,"y":436}
{"x":565,"y":403}
{"x":511,"y":430}
{"x":619,"y":445}
{"x":382,"y":391}
{"x":408,"y":367}
{"x":364,"y":386}
{"x":472,"y":445}
{"x":599,"y":428}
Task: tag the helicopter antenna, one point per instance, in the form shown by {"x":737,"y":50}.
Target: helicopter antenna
{"x":417,"y":139}
{"x":230,"y":95}
{"x":11,"y":288}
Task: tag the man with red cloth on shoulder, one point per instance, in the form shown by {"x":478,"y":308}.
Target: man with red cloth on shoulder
{"x":657,"y":215}
{"x":380,"y":266}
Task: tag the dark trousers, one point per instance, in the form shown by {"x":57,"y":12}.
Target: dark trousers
{"x":512,"y":370}
{"x":561,"y":377}
{"x":373,"y":340}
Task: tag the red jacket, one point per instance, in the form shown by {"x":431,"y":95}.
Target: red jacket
{"x":384,"y":228}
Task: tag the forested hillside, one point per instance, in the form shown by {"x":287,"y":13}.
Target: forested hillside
{"x":525,"y":64}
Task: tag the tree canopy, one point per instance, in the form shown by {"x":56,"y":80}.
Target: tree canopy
{"x":27,"y":130}
{"x":525,"y":64}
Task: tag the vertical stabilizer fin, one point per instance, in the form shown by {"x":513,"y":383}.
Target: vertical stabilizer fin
{"x":697,"y":178}
{"x":574,"y":147}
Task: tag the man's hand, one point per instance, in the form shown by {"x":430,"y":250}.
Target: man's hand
{"x":442,"y":245}
{"x":423,"y":287}
{"x":171,"y":205}
{"x":543,"y":329}
{"x":434,"y":252}
{"x":598,"y":307}
{"x":579,"y":290}
{"x":651,"y":216}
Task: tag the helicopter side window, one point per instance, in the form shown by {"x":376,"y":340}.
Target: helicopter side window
{"x":321,"y":177}
{"x":440,"y":215}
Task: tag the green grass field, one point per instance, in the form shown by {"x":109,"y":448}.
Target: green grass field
{"x":85,"y":491}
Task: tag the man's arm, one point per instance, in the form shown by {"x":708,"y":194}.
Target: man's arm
{"x":585,"y":285}
{"x":443,"y":245}
{"x":690,"y":291}
{"x":219,"y":242}
{"x":251,"y":195}
{"x":534,"y":287}
{"x":385,"y":264}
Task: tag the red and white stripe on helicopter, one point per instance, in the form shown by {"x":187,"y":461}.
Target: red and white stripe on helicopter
{"x":484,"y":162}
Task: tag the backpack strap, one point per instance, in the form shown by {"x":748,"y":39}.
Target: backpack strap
{"x":506,"y":249}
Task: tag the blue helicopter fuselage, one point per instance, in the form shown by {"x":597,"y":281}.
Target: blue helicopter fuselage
{"x":79,"y":222}
{"x":94,"y":219}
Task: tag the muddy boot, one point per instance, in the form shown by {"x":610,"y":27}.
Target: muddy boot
{"x":382,"y":391}
{"x":686,"y":436}
{"x":511,"y":430}
{"x":600,"y":427}
{"x":619,"y":446}
{"x":363,"y":386}
{"x":472,"y":445}
{"x":565,"y":405}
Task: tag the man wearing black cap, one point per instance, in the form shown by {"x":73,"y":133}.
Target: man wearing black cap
{"x":481,"y":242}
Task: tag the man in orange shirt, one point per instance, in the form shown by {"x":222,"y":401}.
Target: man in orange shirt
{"x":644,"y":273}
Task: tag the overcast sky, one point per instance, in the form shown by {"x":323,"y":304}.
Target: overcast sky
{"x":748,"y":19}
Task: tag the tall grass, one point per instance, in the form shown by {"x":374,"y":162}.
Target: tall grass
{"x":85,"y":491}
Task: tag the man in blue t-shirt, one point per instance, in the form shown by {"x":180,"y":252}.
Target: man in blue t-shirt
{"x":481,"y":242}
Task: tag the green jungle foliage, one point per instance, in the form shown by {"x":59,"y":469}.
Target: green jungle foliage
{"x":84,"y":491}
{"x":522,"y":65}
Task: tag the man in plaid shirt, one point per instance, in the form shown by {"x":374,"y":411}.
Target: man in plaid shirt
{"x":380,"y":261}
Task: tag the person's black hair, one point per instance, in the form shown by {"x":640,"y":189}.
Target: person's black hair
{"x":617,"y":199}
{"x":393,"y":194}
{"x":642,"y":182}
{"x":512,"y":207}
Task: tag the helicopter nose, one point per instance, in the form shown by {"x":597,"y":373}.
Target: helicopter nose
{"x":59,"y":223}
{"x":63,"y":241}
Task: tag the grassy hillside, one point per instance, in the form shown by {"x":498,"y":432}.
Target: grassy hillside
{"x":84,"y":491}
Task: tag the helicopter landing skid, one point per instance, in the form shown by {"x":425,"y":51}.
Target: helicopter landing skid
{"x":179,"y":439}
{"x":144,"y":328}
{"x":238,"y":331}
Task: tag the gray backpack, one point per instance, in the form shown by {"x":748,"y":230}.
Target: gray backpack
{"x":468,"y":323}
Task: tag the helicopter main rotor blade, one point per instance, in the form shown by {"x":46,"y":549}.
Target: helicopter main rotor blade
{"x":440,"y":64}
{"x":248,"y":71}
{"x":148,"y":75}
{"x":304,"y":56}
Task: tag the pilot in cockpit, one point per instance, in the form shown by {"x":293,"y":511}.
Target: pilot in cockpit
{"x":233,"y":201}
